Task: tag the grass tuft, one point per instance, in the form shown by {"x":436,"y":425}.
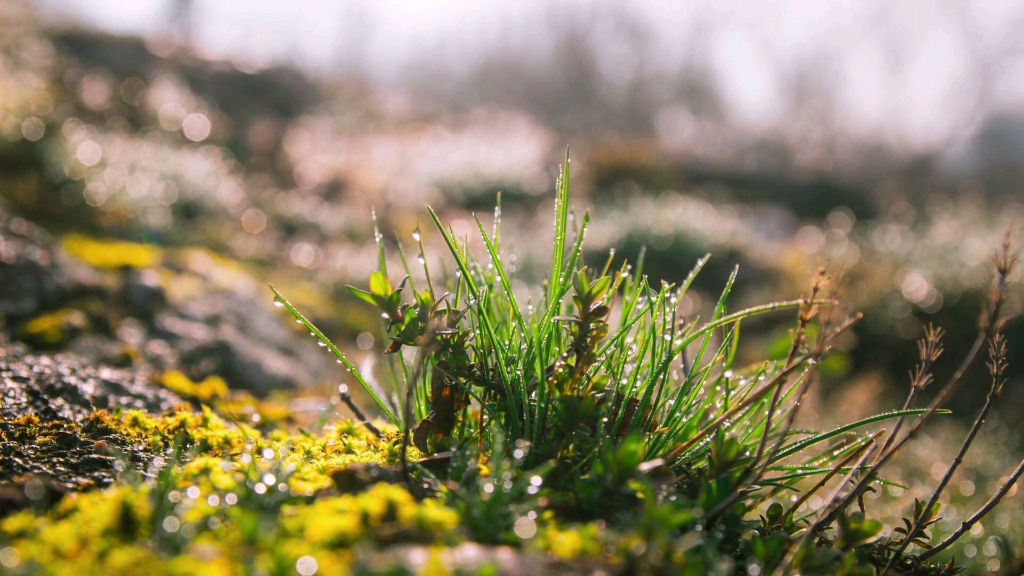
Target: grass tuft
{"x":638,"y":416}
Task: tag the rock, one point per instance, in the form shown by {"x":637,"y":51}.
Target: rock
{"x":142,"y":294}
{"x":54,"y":301}
{"x":31,"y":279}
{"x":51,"y":437}
{"x":243,"y":342}
{"x":68,"y":388}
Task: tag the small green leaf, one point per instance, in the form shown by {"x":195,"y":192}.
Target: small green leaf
{"x":630,"y":454}
{"x":363,"y":295}
{"x":380,"y":285}
{"x":600,"y":288}
{"x":580,"y":282}
{"x":394,"y":300}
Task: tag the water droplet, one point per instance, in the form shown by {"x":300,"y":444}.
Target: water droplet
{"x":278,"y":303}
{"x":297,"y":321}
{"x":322,"y":345}
{"x":416,"y":234}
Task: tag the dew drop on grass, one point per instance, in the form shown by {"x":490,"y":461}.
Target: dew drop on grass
{"x":322,"y":345}
{"x":422,"y":260}
{"x":278,"y":303}
{"x":416,"y":234}
{"x":297,"y":321}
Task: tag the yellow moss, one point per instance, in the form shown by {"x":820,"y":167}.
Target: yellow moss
{"x":270,"y":412}
{"x":232,"y":521}
{"x":571,"y":542}
{"x":346,"y":519}
{"x":435,"y":565}
{"x":565,"y":545}
{"x":53,"y":328}
{"x":189,"y":565}
{"x":112,"y":254}
{"x":210,"y":389}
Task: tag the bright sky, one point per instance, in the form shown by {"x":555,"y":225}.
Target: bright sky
{"x":899,"y":65}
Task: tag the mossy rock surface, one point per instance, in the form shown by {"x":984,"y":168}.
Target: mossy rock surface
{"x":51,"y":423}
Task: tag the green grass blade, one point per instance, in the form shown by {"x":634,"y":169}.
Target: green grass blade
{"x":338,"y":354}
{"x":506,"y":285}
{"x":818,"y":438}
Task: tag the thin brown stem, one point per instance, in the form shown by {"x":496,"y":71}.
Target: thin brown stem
{"x":990,"y":322}
{"x":929,"y":349}
{"x":822,"y":518}
{"x":997,"y":364}
{"x":756,"y":396}
{"x":838,"y":468}
{"x":807,"y":312}
{"x":981,"y":513}
{"x":884,"y":459}
{"x":360,"y":415}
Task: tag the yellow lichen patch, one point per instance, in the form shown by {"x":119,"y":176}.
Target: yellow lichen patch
{"x":84,"y":534}
{"x":210,"y":389}
{"x":241,"y":405}
{"x":131,"y":528}
{"x":53,"y":328}
{"x":111,"y":254}
{"x":228,"y":499}
{"x":384,"y":511}
{"x":571,"y":542}
{"x":307,"y":459}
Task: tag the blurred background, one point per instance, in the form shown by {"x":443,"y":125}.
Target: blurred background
{"x":234,"y":146}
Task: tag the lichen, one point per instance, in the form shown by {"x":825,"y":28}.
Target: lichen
{"x":225,"y":498}
{"x":210,"y":389}
{"x":52,"y":329}
{"x":111,"y":254}
{"x":217,"y":496}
